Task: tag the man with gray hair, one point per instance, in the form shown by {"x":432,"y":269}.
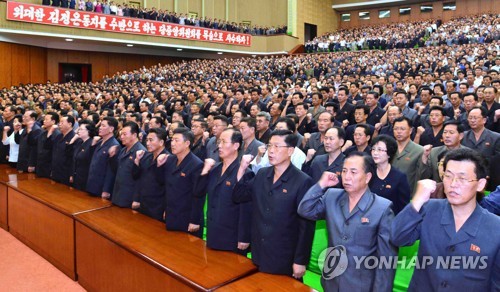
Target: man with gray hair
{"x":263,"y":130}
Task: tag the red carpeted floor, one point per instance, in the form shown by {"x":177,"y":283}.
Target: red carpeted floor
{"x":22,"y":269}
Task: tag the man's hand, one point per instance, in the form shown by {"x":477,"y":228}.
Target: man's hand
{"x":95,"y":140}
{"x":261,"y":150}
{"x":162,"y":158}
{"x":298,"y":271}
{"x":136,"y":205}
{"x":310,"y":154}
{"x":246,"y":160}
{"x":423,"y":193}
{"x":328,"y":179}
{"x":420,"y":130}
{"x":138,"y":156}
{"x":243,"y":245}
{"x":427,"y":152}
{"x":112,"y":150}
{"x":207,"y":166}
{"x":193,"y":227}
{"x":345,"y":123}
{"x":105,"y":195}
{"x":6,"y":129}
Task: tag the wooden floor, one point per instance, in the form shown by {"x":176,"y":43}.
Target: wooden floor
{"x":22,"y":269}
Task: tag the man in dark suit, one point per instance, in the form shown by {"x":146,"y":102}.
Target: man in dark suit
{"x":179,"y":173}
{"x":45,"y":143}
{"x":101,"y":178}
{"x":126,"y":187}
{"x":345,"y":114}
{"x":62,"y":153}
{"x":358,"y":220}
{"x":28,"y":141}
{"x":228,"y":225}
{"x":150,"y":197}
{"x":281,"y":240}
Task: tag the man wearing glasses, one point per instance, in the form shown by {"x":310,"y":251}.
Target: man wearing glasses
{"x":281,"y":240}
{"x":478,"y":137}
{"x":456,"y":228}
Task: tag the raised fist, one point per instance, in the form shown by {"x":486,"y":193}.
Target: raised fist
{"x":328,"y":179}
{"x":162,"y":158}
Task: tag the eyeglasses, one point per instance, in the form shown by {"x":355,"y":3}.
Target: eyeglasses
{"x":224,"y":142}
{"x":378,"y":150}
{"x":271,"y":146}
{"x":460,"y":180}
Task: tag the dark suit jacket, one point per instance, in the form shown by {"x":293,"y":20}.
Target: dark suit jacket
{"x":151,"y":194}
{"x":126,"y":185}
{"x":227,"y":222}
{"x":280,"y":237}
{"x":82,"y":156}
{"x":101,"y":178}
{"x":184,"y":201}
{"x":44,"y":154}
{"x":27,"y":148}
{"x":62,"y":158}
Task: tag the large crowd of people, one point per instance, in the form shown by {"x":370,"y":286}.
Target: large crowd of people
{"x":482,"y":28}
{"x":277,"y":142}
{"x":124,"y":9}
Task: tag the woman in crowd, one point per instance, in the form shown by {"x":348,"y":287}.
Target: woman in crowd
{"x":9,"y":140}
{"x":388,"y":182}
{"x":83,"y":150}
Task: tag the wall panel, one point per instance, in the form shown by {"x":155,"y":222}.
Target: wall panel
{"x":38,"y":65}
{"x":20,"y":64}
{"x":5,"y":64}
{"x":100,"y":65}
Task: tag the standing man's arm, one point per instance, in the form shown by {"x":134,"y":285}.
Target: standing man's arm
{"x":384,"y":278}
{"x":306,"y":235}
{"x":407,"y":225}
{"x":312,"y":205}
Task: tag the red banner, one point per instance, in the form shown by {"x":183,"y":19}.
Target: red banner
{"x":26,"y":12}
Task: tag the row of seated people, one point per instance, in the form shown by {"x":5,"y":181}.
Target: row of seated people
{"x":481,"y":28}
{"x":383,"y":36}
{"x":457,"y":31}
{"x":112,"y":8}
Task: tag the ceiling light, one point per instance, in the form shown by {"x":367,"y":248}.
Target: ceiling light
{"x":220,"y":53}
{"x":179,"y":50}
{"x":130,"y":45}
{"x":68,"y":40}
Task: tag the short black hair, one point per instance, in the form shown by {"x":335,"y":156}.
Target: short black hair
{"x":364,"y":107}
{"x":112,"y":122}
{"x":460,"y":127}
{"x":404,"y":119}
{"x":466,"y":154}
{"x":187,"y":135}
{"x":368,"y":163}
{"x":437,"y":108}
{"x":54,"y":116}
{"x":340,"y":132}
{"x":290,"y":138}
{"x":290,"y":124}
{"x":134,"y":127}
{"x":160,"y":133}
{"x":251,"y":122}
{"x":236,"y":137}
{"x":221,"y":118}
